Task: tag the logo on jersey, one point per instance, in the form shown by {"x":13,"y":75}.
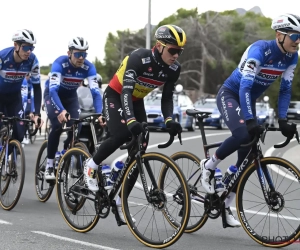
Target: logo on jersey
{"x":251,"y":65}
{"x":85,"y":67}
{"x":268,"y":52}
{"x":15,"y":75}
{"x":130,"y":73}
{"x":174,"y":67}
{"x":65,"y":65}
{"x":146,"y":60}
{"x":149,"y":83}
{"x":269,"y":74}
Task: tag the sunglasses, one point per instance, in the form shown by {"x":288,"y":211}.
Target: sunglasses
{"x":173,"y":51}
{"x":80,"y":54}
{"x":293,"y":36}
{"x":26,"y":48}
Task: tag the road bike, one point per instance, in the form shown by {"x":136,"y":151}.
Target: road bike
{"x":44,"y":188}
{"x":153,"y":191}
{"x":12,"y":162}
{"x":267,"y":201}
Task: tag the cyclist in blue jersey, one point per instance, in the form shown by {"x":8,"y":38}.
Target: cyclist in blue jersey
{"x":261,"y":64}
{"x":27,"y":96}
{"x":15,"y":63}
{"x":60,"y":96}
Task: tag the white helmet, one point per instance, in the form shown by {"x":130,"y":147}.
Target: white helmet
{"x":78,"y":43}
{"x":49,"y":74}
{"x":286,"y":22}
{"x":24,"y":36}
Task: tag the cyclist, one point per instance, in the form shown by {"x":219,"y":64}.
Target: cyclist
{"x":261,"y":64}
{"x":15,"y":63}
{"x":140,"y":72}
{"x":60,"y":96}
{"x":27,"y":97}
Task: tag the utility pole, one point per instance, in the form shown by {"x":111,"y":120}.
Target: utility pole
{"x":148,"y":35}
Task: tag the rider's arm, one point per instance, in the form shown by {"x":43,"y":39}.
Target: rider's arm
{"x":129,"y":81}
{"x":36,"y":85}
{"x":254,"y":59}
{"x":24,"y":93}
{"x":167,"y":99}
{"x":285,"y":90}
{"x":54,"y":83}
{"x":93,"y":84}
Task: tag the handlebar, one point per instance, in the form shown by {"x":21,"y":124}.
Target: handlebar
{"x":167,"y":144}
{"x":263,"y":135}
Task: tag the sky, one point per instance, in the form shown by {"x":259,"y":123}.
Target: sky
{"x":55,"y":23}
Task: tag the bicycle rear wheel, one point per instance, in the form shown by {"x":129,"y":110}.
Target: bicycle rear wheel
{"x":43,"y":189}
{"x":161,"y":213}
{"x":76,"y":203}
{"x":190,"y":166}
{"x":276,"y":224}
{"x":13,"y":178}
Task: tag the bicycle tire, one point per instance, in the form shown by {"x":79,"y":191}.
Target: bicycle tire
{"x":61,"y":189}
{"x":241,"y":211}
{"x":17,"y":175}
{"x":39,"y":176}
{"x":82,"y":146}
{"x":196,"y":221}
{"x":173,"y":236}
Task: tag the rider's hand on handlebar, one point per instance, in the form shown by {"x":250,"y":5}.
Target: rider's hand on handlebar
{"x":62,"y":116}
{"x":37,"y":123}
{"x":135,"y":127}
{"x":173,"y":127}
{"x":253,"y":128}
{"x":287,"y":130}
{"x":102,"y":121}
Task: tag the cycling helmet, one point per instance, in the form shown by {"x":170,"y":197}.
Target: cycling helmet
{"x":78,"y":43}
{"x":24,"y":36}
{"x":171,"y":34}
{"x":286,"y":22}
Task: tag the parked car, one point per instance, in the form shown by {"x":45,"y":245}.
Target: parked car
{"x":210,"y":105}
{"x":265,"y":114}
{"x":181,"y":102}
{"x":293,"y":112}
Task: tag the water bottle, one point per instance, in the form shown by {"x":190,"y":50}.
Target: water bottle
{"x":57,"y":158}
{"x":114,"y":174}
{"x":229,"y":174}
{"x":106,"y":171}
{"x":219,"y":185}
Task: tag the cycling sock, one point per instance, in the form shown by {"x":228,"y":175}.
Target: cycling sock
{"x":229,"y":199}
{"x":118,"y":201}
{"x":49,"y":163}
{"x":92,"y":164}
{"x":212,"y":162}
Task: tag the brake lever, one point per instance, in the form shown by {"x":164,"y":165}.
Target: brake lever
{"x":179,"y":138}
{"x":297,"y":136}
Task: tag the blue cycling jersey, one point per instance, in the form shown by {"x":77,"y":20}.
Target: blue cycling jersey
{"x":261,"y":64}
{"x":12,"y":74}
{"x":65,"y":79}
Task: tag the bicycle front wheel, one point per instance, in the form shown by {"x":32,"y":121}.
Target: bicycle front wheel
{"x":43,"y":189}
{"x":190,"y":166}
{"x":275,"y":223}
{"x":12,"y":177}
{"x":158,"y":223}
{"x":76,"y":203}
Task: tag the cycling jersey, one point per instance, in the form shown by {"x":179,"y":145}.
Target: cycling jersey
{"x":12,"y":75}
{"x":139,"y":74}
{"x":65,"y":79}
{"x":261,"y":64}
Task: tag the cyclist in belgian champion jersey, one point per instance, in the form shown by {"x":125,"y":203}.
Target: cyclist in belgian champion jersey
{"x":60,"y":94}
{"x":140,"y":72}
{"x":261,"y":64}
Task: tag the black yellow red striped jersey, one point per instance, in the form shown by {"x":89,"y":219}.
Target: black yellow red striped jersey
{"x":141,"y":72}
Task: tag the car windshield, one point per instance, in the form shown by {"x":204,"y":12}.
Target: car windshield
{"x":200,"y":104}
{"x":261,"y":107}
{"x":294,"y":105}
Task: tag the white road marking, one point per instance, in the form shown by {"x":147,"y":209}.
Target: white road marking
{"x":74,"y":241}
{"x":5,"y":222}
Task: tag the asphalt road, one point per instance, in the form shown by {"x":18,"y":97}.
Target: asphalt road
{"x":35,"y":225}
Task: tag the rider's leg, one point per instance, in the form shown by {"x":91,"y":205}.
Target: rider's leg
{"x":119,"y":134}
